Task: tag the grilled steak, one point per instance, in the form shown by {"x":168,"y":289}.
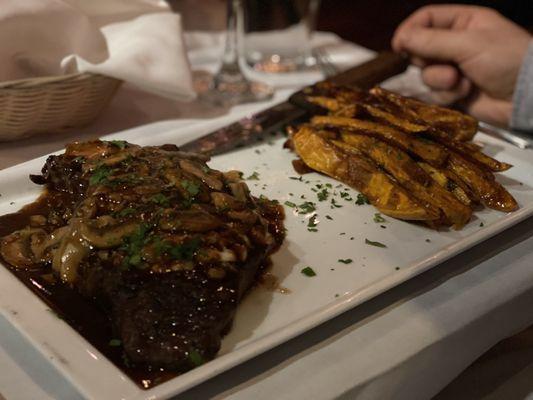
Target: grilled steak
{"x":163,"y":244}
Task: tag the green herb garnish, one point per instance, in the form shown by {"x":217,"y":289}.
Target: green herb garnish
{"x":361,"y":199}
{"x":345,"y":261}
{"x":377,"y":244}
{"x":160,"y":199}
{"x":99,"y":175}
{"x":196,"y":358}
{"x":328,"y":217}
{"x":306,"y":207}
{"x":334,"y":204}
{"x":253,"y":177}
{"x":308,"y":271}
{"x":192,"y":187}
{"x":184,"y":251}
{"x":322,"y":195}
{"x":378,"y":218}
{"x":121,"y":144}
{"x":127,"y":211}
{"x":115,"y":342}
{"x":290,"y":204}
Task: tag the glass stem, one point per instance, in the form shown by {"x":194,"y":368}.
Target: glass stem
{"x":232,"y":54}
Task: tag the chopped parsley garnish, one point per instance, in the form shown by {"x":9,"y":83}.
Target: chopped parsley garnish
{"x":428,"y":240}
{"x":378,"y":218}
{"x":121,"y":144}
{"x":377,"y":244}
{"x":481,"y":224}
{"x":334,"y":204}
{"x":312,"y":222}
{"x":361,"y":199}
{"x":296,"y":178}
{"x":253,"y":177}
{"x":322,"y":195}
{"x":290,"y":204}
{"x":99,"y":175}
{"x":192,"y":187}
{"x":115,"y":342}
{"x":127,"y":211}
{"x":195,"y":357}
{"x":133,"y":245}
{"x":308,"y":271}
{"x":184,"y":251}
{"x":346,"y":196}
{"x":306,"y":207}
{"x":345,"y":261}
{"x":160,"y":199}
{"x":328,"y":217}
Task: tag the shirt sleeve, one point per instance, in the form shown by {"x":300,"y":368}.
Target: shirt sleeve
{"x":522,"y":116}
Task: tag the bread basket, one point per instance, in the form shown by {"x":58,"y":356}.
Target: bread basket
{"x":48,"y":104}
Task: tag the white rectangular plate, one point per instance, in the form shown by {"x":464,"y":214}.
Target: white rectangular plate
{"x":268,"y":317}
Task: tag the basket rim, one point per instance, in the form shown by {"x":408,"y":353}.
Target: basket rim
{"x":44,"y":80}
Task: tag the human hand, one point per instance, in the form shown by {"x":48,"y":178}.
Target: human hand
{"x":467,"y":53}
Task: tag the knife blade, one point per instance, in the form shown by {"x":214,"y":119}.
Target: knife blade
{"x":250,"y":129}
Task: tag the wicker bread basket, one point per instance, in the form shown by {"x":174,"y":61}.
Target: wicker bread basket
{"x":49,"y":104}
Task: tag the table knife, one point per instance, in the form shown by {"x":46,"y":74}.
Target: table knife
{"x":250,"y":129}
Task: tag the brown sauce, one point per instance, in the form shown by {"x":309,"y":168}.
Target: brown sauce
{"x":79,"y":312}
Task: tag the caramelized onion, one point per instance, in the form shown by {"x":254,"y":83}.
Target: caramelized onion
{"x":189,"y":220}
{"x":193,"y":169}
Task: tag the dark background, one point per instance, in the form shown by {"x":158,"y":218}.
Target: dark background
{"x":371,"y":23}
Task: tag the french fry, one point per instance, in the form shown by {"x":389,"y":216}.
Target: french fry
{"x":428,"y":151}
{"x":411,"y":176}
{"x":459,"y":126}
{"x":444,"y":180}
{"x":490,"y":192}
{"x":357,"y":171}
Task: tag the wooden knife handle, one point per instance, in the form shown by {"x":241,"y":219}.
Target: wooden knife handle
{"x":370,"y":73}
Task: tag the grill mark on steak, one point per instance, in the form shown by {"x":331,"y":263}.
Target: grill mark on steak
{"x":159,"y":259}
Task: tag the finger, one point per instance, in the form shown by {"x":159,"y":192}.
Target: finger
{"x":486,"y":108}
{"x":434,"y":16}
{"x":447,"y":97}
{"x":441,"y":77}
{"x":437,"y":44}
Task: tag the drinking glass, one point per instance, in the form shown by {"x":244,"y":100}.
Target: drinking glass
{"x":278,"y":34}
{"x":229,"y":85}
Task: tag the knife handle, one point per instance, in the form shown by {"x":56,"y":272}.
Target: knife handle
{"x":385,"y":65}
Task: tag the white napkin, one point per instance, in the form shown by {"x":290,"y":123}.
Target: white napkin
{"x":138,"y":41}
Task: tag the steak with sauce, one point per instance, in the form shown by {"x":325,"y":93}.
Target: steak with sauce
{"x":165,"y":245}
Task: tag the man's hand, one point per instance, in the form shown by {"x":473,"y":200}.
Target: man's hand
{"x":467,"y":53}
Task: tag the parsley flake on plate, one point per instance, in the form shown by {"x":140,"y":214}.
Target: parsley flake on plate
{"x":308,"y":271}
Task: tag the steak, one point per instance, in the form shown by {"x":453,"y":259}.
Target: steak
{"x":163,"y":244}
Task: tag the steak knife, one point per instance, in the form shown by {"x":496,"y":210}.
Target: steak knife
{"x":250,"y":129}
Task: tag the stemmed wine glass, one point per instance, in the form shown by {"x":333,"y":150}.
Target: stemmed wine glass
{"x":229,"y":85}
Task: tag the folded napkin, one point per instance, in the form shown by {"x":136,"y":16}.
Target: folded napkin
{"x":138,"y":41}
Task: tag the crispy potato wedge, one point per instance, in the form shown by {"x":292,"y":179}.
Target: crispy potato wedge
{"x":397,"y":121}
{"x":412,"y":177}
{"x":467,"y":150}
{"x":355,"y":170}
{"x":428,"y":151}
{"x":447,"y":183}
{"x":490,"y":192}
{"x":458,"y":125}
{"x":335,"y":107}
{"x":328,"y":103}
